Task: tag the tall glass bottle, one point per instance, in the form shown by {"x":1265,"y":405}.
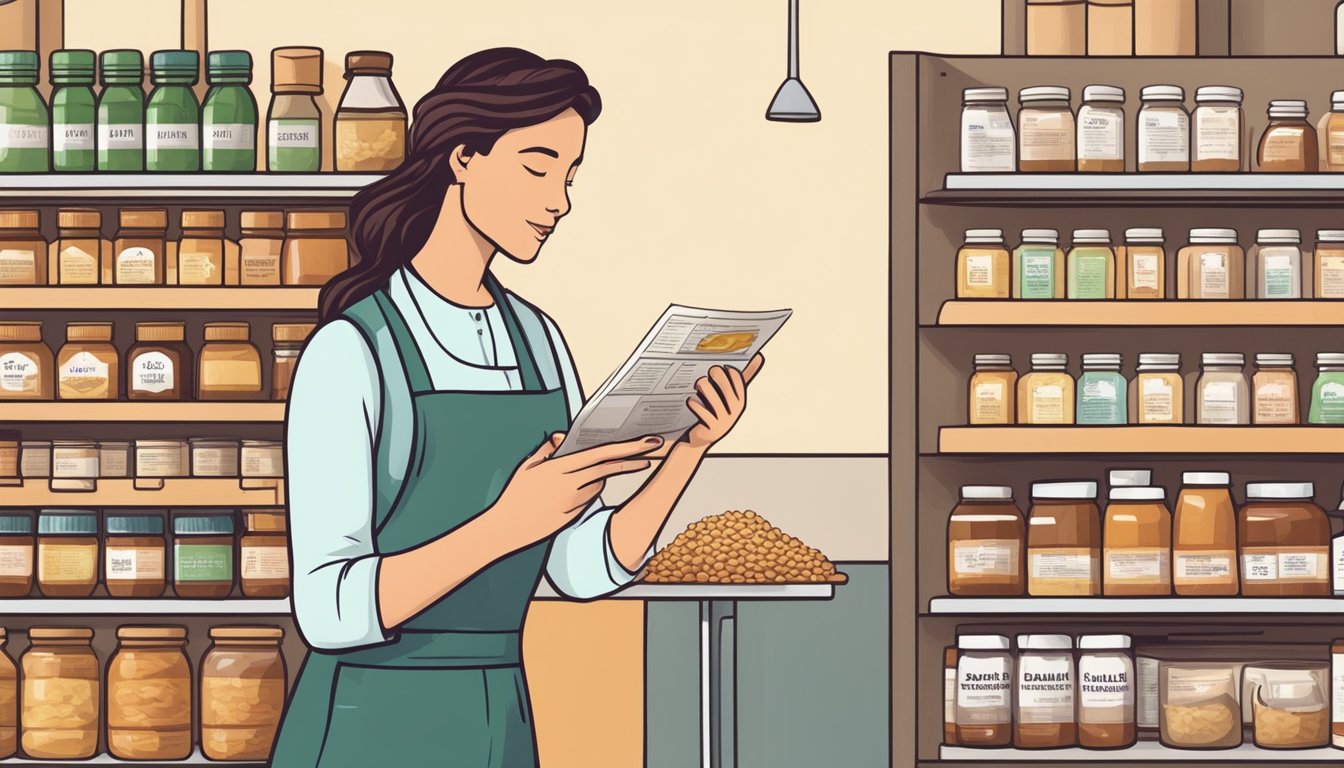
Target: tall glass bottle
{"x":229,"y":116}
{"x":23,"y":115}
{"x":72,"y":111}
{"x":371,"y":120}
{"x":121,"y":113}
{"x":294,"y":122}
{"x":173,"y":115}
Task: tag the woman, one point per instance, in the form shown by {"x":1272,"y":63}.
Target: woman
{"x":424,"y":499}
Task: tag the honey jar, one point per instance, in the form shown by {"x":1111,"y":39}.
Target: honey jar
{"x":88,"y":366}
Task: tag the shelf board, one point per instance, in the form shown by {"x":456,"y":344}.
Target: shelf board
{"x":1141,"y":313}
{"x":76,"y":411}
{"x":1140,"y":440}
{"x":172,"y":186}
{"x":167,"y":606}
{"x":1126,"y":606}
{"x":648,"y":591}
{"x":167,"y":298}
{"x":176,"y":492}
{"x":1144,"y":751}
{"x":196,"y":759}
{"x":1025,"y":189}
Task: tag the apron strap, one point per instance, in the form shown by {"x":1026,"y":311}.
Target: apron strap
{"x":522,"y":350}
{"x":417,"y":372}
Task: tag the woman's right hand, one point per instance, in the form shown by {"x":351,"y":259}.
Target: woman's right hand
{"x":545,"y":493}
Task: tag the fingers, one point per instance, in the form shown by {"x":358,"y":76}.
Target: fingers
{"x":718,"y":376}
{"x":753,"y":367}
{"x":738,"y":384}
{"x":608,"y":469}
{"x":709,"y":395}
{"x":546,"y":449}
{"x":604,"y":453}
{"x":701,"y":412}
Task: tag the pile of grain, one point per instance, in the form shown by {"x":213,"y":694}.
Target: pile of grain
{"x":738,"y":548}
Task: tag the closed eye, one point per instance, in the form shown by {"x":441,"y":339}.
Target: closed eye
{"x":534,"y":172}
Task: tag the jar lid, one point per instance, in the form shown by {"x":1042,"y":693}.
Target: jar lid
{"x":88,"y":331}
{"x":1091,"y":236}
{"x":1067,"y":490}
{"x":1223,"y":359}
{"x":291,"y":332}
{"x":1104,"y":642}
{"x":72,"y":61}
{"x":1213,"y":235}
{"x":1279,"y":236}
{"x":228,"y":63}
{"x":1044,"y":93}
{"x":1110,"y":93}
{"x":1138,"y":494}
{"x":143,"y":218}
{"x":993,"y":360}
{"x":983,"y":643}
{"x":202,"y":219}
{"x":315,"y":220}
{"x":1162,"y":359}
{"x":1206,"y":478}
{"x":261,"y":220}
{"x":71,"y":522}
{"x":75,"y":443}
{"x":1102,"y":360}
{"x":1289,"y":108}
{"x":1218,"y":93}
{"x":151,"y":633}
{"x":1329,"y":359}
{"x":1044,"y":642}
{"x":1047,"y":359}
{"x":114,"y":445}
{"x":1145,"y":235}
{"x":175,"y":62}
{"x":261,"y":443}
{"x":1162,"y":93}
{"x":19,"y":220}
{"x":129,"y":525}
{"x":270,"y":522}
{"x":160,"y":331}
{"x":368,"y":63}
{"x":123,"y":62}
{"x":1330,"y":235}
{"x":1130,"y":477}
{"x":1280,"y":490}
{"x":78,"y":218}
{"x":19,"y":63}
{"x":984,"y":235}
{"x":15,"y":523}
{"x":1273,"y":359}
{"x":22,"y":330}
{"x":296,"y":69}
{"x":228,"y":332}
{"x":986,"y":492}
{"x":218,"y":525}
{"x":60,"y":633}
{"x":1040,"y":236}
{"x":246,"y":633}
{"x":982,"y":95}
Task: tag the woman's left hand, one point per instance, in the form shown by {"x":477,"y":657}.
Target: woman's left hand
{"x":721,"y":399}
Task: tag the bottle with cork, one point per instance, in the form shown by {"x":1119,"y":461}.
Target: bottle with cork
{"x":294,"y":122}
{"x":371,"y":120}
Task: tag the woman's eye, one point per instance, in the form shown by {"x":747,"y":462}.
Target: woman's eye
{"x":534,"y":173}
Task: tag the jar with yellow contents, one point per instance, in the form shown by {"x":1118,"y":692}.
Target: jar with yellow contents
{"x":149,"y":695}
{"x":242,"y":692}
{"x":62,"y":698}
{"x":371,"y":120}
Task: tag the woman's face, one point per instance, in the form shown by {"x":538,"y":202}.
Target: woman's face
{"x":516,"y":195}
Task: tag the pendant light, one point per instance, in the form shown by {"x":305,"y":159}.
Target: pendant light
{"x":793,"y":103}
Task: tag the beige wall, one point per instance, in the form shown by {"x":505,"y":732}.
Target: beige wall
{"x":688,"y":194}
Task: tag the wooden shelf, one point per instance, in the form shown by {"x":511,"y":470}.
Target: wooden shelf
{"x":175,"y":492}
{"x":166,"y":298}
{"x":1144,"y":751}
{"x":166,"y":606}
{"x":196,"y":759}
{"x":1140,"y":440}
{"x":1137,"y":313}
{"x":1030,"y":189}
{"x":75,"y":411}
{"x":1128,"y":606}
{"x":172,"y":186}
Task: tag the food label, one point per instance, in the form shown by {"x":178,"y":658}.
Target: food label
{"x":1088,"y":278}
{"x":1062,"y":571}
{"x":73,"y":137}
{"x":16,"y":560}
{"x":160,"y":462}
{"x":17,"y":266}
{"x":1047,"y":404}
{"x":1275,"y":403}
{"x":1146,"y":670}
{"x":1337,"y":547}
{"x":1104,"y":683}
{"x":67,"y":563}
{"x":84,"y":376}
{"x":1218,"y":403}
{"x":69,"y":465}
{"x":198,"y":268}
{"x":1213,"y":282}
{"x":1283,"y":145}
{"x":165,"y":136}
{"x":260,"y":263}
{"x":985,"y":557}
{"x":230,"y":136}
{"x":1036,"y":277}
{"x":202,"y":562}
{"x":1143,"y":270}
{"x":214,"y":462}
{"x":1331,"y":402}
{"x":238,"y":374}
{"x":23,"y":136}
{"x":120,"y":136}
{"x":1278,"y":278}
{"x":1164,"y":136}
{"x":989,"y":403}
{"x":152,"y":372}
{"x":134,"y":563}
{"x":265,"y":563}
{"x":1138,"y":565}
{"x":77,"y":266}
{"x":1046,"y":135}
{"x":1045,"y":688}
{"x":1205,"y":567}
{"x":18,"y":373}
{"x":1101,"y":134}
{"x":113,"y":463}
{"x":950,"y":695}
{"x":1158,"y":401}
{"x":1331,"y":284}
{"x":1217,"y":133}
{"x":1285,"y":565}
{"x":987,"y":141}
{"x":983,"y":683}
{"x":303,"y":134}
{"x":1099,"y":402}
{"x":980,"y":271}
{"x":263,"y":462}
{"x":135,"y":266}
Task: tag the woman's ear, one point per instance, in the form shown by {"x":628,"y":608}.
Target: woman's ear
{"x":458,"y":160}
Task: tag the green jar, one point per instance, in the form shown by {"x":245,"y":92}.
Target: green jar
{"x":23,"y":115}
{"x":1091,"y":265}
{"x":72,"y":112}
{"x":1103,"y":393}
{"x":121,"y":113}
{"x":1327,"y":394}
{"x":229,"y":117}
{"x":1038,"y":266}
{"x":173,"y":115}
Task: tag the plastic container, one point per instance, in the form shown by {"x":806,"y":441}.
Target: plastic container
{"x":988,"y":139}
{"x":1290,"y":704}
{"x":1199,"y":704}
{"x":984,"y":691}
{"x":1045,"y":693}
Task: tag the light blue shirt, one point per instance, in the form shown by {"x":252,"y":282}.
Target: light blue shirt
{"x":333,"y":424}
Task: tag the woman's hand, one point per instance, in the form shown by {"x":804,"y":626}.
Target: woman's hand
{"x":721,"y":398}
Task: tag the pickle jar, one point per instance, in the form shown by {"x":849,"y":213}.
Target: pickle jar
{"x":242,"y":692}
{"x":229,"y":366}
{"x":315,"y":247}
{"x":23,"y":250}
{"x":62,"y":698}
{"x":149,"y":695}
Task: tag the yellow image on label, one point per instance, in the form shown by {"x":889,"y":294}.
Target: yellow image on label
{"x":726,"y":343}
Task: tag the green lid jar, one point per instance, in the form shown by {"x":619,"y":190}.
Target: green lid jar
{"x":23,"y":115}
{"x":16,"y":554}
{"x":203,"y":555}
{"x":73,"y":108}
{"x":229,"y":117}
{"x":173,"y":115}
{"x":121,"y":113}
{"x":67,"y":553}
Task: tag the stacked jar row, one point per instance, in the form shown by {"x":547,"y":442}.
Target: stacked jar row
{"x":78,"y":464}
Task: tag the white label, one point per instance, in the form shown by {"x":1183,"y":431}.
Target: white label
{"x":84,"y":372}
{"x":1128,"y":566}
{"x":72,"y":137}
{"x":983,"y":682}
{"x":152,"y":372}
{"x":264,"y":563}
{"x":1164,"y":136}
{"x":1203,"y":566}
{"x":1260,"y":567}
{"x":1337,"y":686}
{"x":135,"y":266}
{"x":120,"y":136}
{"x":991,"y":391}
{"x":1144,"y":269}
{"x":164,"y":136}
{"x":1045,"y":688}
{"x":1158,"y":399}
{"x":1047,"y":405}
{"x":23,"y":137}
{"x":1058,"y":565}
{"x":987,"y":140}
{"x":1104,"y":682}
{"x":990,"y":557}
{"x":17,"y":266}
{"x":950,"y":695}
{"x":1101,"y":134}
{"x":230,"y":136}
{"x":1217,"y":133}
{"x":980,"y":271}
{"x":131,"y":563}
{"x":1299,"y":565}
{"x":1146,"y":671}
{"x":18,"y":373}
{"x":1219,"y":403}
{"x":1337,"y":554}
{"x":295,"y":134}
{"x":74,"y":466}
{"x":1046,"y":135}
{"x":16,"y":560}
{"x":1213,"y":282}
{"x":1279,"y":276}
{"x":78,"y":266}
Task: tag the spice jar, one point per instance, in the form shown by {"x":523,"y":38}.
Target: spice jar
{"x":1137,"y":534}
{"x":214,"y":457}
{"x":1199,"y":705}
{"x":1222,"y":394}
{"x":72,"y":111}
{"x":370,"y":122}
{"x":1328,"y":272}
{"x":1106,"y":684}
{"x":1091,"y":265}
{"x":74,"y":465}
{"x":1046,"y":131}
{"x":1218,"y":119}
{"x":140,"y":245}
{"x":1164,"y":129}
{"x":1045,"y":395}
{"x":27,"y":367}
{"x":1038,"y":266}
{"x":17,"y":547}
{"x":293,"y":122}
{"x":264,"y":554}
{"x":983,"y":266}
{"x":288,"y":340}
{"x":203,"y":555}
{"x":242,"y":692}
{"x":121,"y":112}
{"x":1212,"y":266}
{"x":9,"y":457}
{"x":1143,"y":264}
{"x":88,"y":366}
{"x":229,"y":365}
{"x":35,"y":458}
{"x":1064,"y":540}
{"x":260,"y":247}
{"x":23,"y":113}
{"x":1290,"y":704}
{"x":9,"y":701}
{"x":315,"y":247}
{"x":1284,"y":539}
{"x":1332,"y":146}
{"x":1204,"y":536}
{"x":1102,"y":391}
{"x":200,"y":253}
{"x":1044,"y":716}
{"x":114,"y":458}
{"x":263,"y":459}
{"x":23,"y":250}
{"x":1288,"y":144}
{"x":162,"y":458}
{"x":985,"y":537}
{"x":67,"y":553}
{"x":149,"y":695}
{"x":1275,"y":390}
{"x":984,"y":691}
{"x":1056,"y":28}
{"x":79,"y":247}
{"x":1327,"y":393}
{"x":62,"y":700}
{"x":135,"y":555}
{"x":993,"y":391}
{"x":159,"y":365}
{"x":1101,"y":129}
{"x":988,"y":140}
{"x":172,"y":113}
{"x":1274,"y":265}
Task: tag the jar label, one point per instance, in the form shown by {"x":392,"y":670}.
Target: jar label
{"x":1099,"y":402}
{"x":77,"y":266}
{"x":1331,"y":402}
{"x":136,"y":266}
{"x":19,"y":373}
{"x":1159,"y":402}
{"x":1101,"y":134}
{"x":18,"y":266}
{"x":1146,"y":670}
{"x":983,"y":683}
{"x":67,"y":563}
{"x":1337,"y":546}
{"x":1105,"y":689}
{"x":233,"y":375}
{"x":112,"y":136}
{"x":202,"y":562}
{"x":1213,"y":280}
{"x":230,"y":136}
{"x":1337,"y":686}
{"x":164,"y":136}
{"x":1063,"y":571}
{"x":987,"y":141}
{"x":1144,"y":271}
{"x":73,"y":137}
{"x":160,"y":462}
{"x":16,"y":561}
{"x":980,"y":271}
{"x":214,"y":462}
{"x":1089,"y":276}
{"x":1046,"y":135}
{"x":1045,"y":688}
{"x":14,"y":136}
{"x":263,"y":462}
{"x":1205,"y":566}
{"x":1218,"y":133}
{"x":1279,"y":278}
{"x":1285,"y":565}
{"x":1164,"y":136}
{"x":1275,"y":403}
{"x":152,"y":372}
{"x":84,"y":376}
{"x":72,"y":465}
{"x":1283,"y":145}
{"x":1335,"y":139}
{"x":1036,"y":278}
{"x":265,"y":563}
{"x":1218,"y":403}
{"x":950,"y":695}
{"x":199,"y":268}
{"x":990,"y":403}
{"x":134,"y":564}
{"x":1138,"y":566}
{"x":299,"y":134}
{"x":259,"y":262}
{"x":1331,"y":284}
{"x":113,"y":463}
{"x":1047,"y":404}
{"x":985,"y":557}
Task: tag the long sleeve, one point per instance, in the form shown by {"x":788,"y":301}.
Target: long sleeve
{"x":334,"y":409}
{"x":582,"y":563}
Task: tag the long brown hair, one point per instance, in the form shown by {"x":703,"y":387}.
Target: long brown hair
{"x":478,"y":100}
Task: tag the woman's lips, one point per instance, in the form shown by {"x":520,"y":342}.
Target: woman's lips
{"x":542,"y":231}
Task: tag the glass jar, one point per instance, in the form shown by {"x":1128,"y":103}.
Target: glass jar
{"x":1110,"y":27}
{"x":162,"y":458}
{"x":1327,"y":394}
{"x":159,"y":365}
{"x":1218,"y":120}
{"x":1328,"y":271}
{"x":23,"y":115}
{"x":200,"y":253}
{"x":988,"y":141}
{"x":1290,"y":704}
{"x":983,"y":266}
{"x":134,"y":556}
{"x":1038,"y":266}
{"x":149,"y":704}
{"x":1274,"y":388}
{"x":370,"y":122}
{"x":1106,"y":686}
{"x":984,"y":691}
{"x":1274,"y":265}
{"x":1332,"y":151}
{"x":1143,"y":262}
{"x":1091,"y":265}
{"x":1199,"y":704}
{"x":260,"y":247}
{"x":23,"y":250}
{"x":172,"y":114}
{"x":229,"y":365}
{"x":1288,"y":144}
{"x":229,"y":115}
{"x":121,"y":112}
{"x":72,"y":111}
{"x":1046,"y":394}
{"x":27,"y":367}
{"x":1222,"y":392}
{"x":67,"y":553}
{"x":288,"y":340}
{"x":203,"y":555}
{"x":88,"y":366}
{"x":1212,"y":266}
{"x":264,"y":554}
{"x":17,"y":550}
{"x":1284,"y":540}
{"x":9,"y":701}
{"x":62,"y":700}
{"x":214,"y":457}
{"x":993,"y":391}
{"x":79,"y":247}
{"x":1137,"y":533}
{"x":1101,"y":130}
{"x":1046,"y":131}
{"x":293,"y":122}
{"x":140,"y":245}
{"x":1102,"y":391}
{"x":1164,"y":130}
{"x":985,"y":539}
{"x":1064,"y":541}
{"x":1043,"y":716}
{"x":315,"y":247}
{"x":242,"y":692}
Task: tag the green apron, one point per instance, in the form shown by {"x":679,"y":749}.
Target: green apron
{"x":448,"y":688}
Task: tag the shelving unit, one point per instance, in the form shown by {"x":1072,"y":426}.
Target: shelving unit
{"x":249,"y":187}
{"x":1134,"y":606}
{"x":167,"y":606}
{"x":196,"y":759}
{"x":1141,"y":314}
{"x":1115,"y":441}
{"x":174,"y":492}
{"x":1143,"y":751}
{"x":167,"y":298}
{"x":186,"y":411}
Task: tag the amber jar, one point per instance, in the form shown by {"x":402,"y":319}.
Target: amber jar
{"x":17,"y":549}
{"x":1284,"y":539}
{"x":1288,"y":144}
{"x":1204,"y":536}
{"x":242,"y":692}
{"x":315,"y":247}
{"x":149,"y":695}
{"x":985,"y":539}
{"x":288,"y":339}
{"x":88,"y":366}
{"x":23,"y":250}
{"x":264,"y":554}
{"x":159,"y":365}
{"x":229,"y":366}
{"x":203,"y":555}
{"x":260,"y":247}
{"x":62,"y":700}
{"x":67,"y":553}
{"x":200,"y":252}
{"x":140,"y":246}
{"x":135,"y":556}
{"x":9,"y":701}
{"x":79,"y":247}
{"x":1064,"y":540}
{"x":27,"y":367}
{"x":1136,"y":540}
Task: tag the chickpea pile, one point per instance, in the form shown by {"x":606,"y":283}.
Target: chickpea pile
{"x":737,"y":548}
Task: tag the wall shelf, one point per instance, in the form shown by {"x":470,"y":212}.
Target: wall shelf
{"x":1130,"y":606}
{"x":1260,"y":189}
{"x":158,"y":299}
{"x":173,"y":186}
{"x":83,"y":412}
{"x":1143,"y":751}
{"x":166,"y":606}
{"x":196,"y":759}
{"x":1140,"y":440}
{"x":176,"y":492}
{"x":1139,"y":313}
